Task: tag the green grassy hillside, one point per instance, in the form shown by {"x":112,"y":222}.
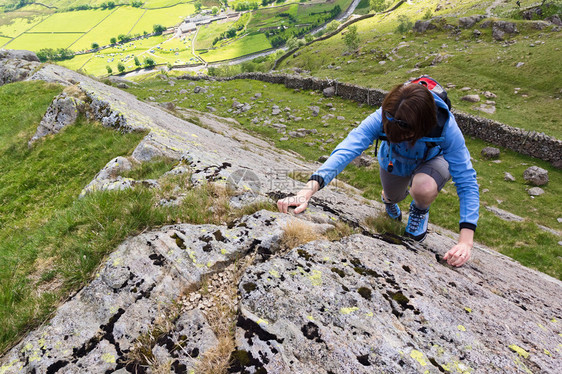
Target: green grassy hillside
{"x":523,"y":71}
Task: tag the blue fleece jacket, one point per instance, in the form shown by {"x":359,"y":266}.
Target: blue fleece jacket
{"x":406,"y":158}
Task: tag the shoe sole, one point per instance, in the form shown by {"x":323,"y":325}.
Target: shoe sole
{"x":419,"y":238}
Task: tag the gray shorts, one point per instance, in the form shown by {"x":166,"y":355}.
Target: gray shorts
{"x":396,"y":187}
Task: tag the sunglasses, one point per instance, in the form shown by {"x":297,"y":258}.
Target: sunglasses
{"x":403,"y":125}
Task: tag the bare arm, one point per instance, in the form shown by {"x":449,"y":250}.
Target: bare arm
{"x":300,"y":200}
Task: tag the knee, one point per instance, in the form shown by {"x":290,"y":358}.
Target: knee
{"x":424,"y":186}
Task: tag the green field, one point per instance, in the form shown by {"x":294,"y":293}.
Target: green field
{"x":4,"y":40}
{"x":152,"y":4}
{"x":165,"y":17}
{"x":119,"y":22}
{"x":35,"y":42}
{"x":79,"y":21}
{"x":240,"y":47}
{"x":305,"y":12}
{"x":268,"y":17}
{"x":207,"y":34}
{"x":13,"y":27}
{"x":164,"y":51}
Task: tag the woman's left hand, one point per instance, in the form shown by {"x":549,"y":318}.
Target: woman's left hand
{"x":459,"y":254}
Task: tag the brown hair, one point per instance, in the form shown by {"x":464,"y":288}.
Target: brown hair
{"x":412,"y":104}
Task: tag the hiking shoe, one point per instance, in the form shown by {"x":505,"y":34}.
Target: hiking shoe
{"x":417,"y":223}
{"x":393,"y":210}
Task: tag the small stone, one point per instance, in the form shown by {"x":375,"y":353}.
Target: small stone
{"x":490,"y":95}
{"x":508,"y":177}
{"x":465,"y":89}
{"x":535,"y":191}
{"x":519,"y":64}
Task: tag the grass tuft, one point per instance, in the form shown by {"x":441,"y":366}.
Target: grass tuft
{"x":297,"y":232}
{"x":382,"y":224}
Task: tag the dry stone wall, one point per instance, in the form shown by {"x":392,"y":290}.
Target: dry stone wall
{"x":527,"y":142}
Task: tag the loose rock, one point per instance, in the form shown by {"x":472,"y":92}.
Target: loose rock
{"x":536,"y":175}
{"x":490,"y":153}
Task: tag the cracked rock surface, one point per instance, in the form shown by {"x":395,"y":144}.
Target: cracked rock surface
{"x":363,"y":305}
{"x":95,"y":330}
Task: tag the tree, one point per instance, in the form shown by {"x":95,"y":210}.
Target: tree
{"x":351,"y":39}
{"x":149,"y":61}
{"x":137,"y":62}
{"x":158,"y":29}
{"x":113,"y":40}
{"x":136,"y":4}
{"x":405,"y":24}
{"x":95,"y":45}
{"x":215,"y":10}
{"x":120,"y":67}
{"x":197,"y":5}
{"x":377,"y":5}
{"x":332,"y":26}
{"x":109,"y":69}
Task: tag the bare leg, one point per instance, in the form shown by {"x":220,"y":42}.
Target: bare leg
{"x":423,"y":190}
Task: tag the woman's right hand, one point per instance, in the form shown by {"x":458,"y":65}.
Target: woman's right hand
{"x":300,"y":200}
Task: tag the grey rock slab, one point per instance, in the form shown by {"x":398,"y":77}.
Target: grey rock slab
{"x":535,"y":191}
{"x":62,"y":112}
{"x":145,"y":274}
{"x":363,"y":305}
{"x":471,"y":98}
{"x":190,"y":339}
{"x":505,"y":215}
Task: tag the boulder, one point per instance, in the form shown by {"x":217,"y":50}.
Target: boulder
{"x":329,"y":91}
{"x":536,"y":176}
{"x":468,"y":22}
{"x":497,"y":34}
{"x":507,"y":27}
{"x":490,"y":153}
{"x":363,"y":161}
{"x":315,"y":110}
{"x":17,"y":65}
{"x":62,"y":112}
{"x":14,"y":54}
{"x":471,"y":98}
{"x":554,"y":19}
{"x":422,"y":26}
